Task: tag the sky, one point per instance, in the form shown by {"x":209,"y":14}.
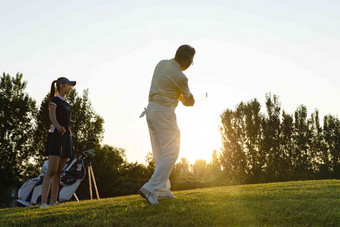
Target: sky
{"x":244,"y":49}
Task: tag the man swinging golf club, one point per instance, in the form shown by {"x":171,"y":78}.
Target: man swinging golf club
{"x":168,"y":85}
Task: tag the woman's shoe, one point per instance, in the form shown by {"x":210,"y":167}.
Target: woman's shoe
{"x":44,"y":205}
{"x":55,"y":204}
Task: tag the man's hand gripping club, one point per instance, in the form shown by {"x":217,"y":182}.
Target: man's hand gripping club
{"x":187,"y":101}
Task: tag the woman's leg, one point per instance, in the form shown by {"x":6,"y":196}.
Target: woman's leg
{"x":53,"y":162}
{"x":56,"y":179}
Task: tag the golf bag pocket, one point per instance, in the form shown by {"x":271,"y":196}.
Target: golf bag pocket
{"x":30,"y":193}
{"x":27,"y":188}
{"x":67,"y":191}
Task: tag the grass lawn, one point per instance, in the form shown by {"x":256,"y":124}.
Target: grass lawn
{"x":299,"y":203}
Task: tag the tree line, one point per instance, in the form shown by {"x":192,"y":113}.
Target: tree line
{"x":277,"y":146}
{"x":256,"y":147}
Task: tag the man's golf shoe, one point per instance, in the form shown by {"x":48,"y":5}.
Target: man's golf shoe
{"x":149,"y":196}
{"x":167,"y":195}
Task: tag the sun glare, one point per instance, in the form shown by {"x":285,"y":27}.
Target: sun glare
{"x":199,"y":130}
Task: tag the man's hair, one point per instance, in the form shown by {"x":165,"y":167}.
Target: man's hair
{"x":184,"y":52}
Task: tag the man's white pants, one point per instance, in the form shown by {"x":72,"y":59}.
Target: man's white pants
{"x":165,"y":141}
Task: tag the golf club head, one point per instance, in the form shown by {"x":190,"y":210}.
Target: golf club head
{"x":89,"y":153}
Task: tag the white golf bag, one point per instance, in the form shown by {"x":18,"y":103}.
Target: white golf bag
{"x":73,"y":174}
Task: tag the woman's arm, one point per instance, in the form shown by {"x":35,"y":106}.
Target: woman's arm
{"x":53,"y":119}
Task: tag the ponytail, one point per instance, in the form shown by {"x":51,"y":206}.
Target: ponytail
{"x":53,"y":90}
{"x":55,"y":86}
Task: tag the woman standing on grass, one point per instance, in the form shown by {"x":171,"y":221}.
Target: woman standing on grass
{"x":59,"y":145}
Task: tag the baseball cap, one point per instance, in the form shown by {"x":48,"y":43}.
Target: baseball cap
{"x":67,"y":81}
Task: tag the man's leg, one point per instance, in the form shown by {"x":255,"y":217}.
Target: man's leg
{"x":163,"y":127}
{"x":155,"y":145}
{"x":165,"y":192}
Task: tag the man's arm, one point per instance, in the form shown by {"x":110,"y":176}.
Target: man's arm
{"x":187,"y":101}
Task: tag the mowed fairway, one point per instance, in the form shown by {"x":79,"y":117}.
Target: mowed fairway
{"x":299,"y":203}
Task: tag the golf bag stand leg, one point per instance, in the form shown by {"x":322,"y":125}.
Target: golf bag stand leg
{"x":75,"y":196}
{"x":91,"y":176}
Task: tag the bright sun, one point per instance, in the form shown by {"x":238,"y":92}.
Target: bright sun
{"x":199,"y":129}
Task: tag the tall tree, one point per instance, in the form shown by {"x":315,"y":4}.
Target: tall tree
{"x":271,"y":138}
{"x":332,"y":138}
{"x":16,"y":129}
{"x":253,"y":126}
{"x":316,"y":143}
{"x":85,"y":121}
{"x":302,"y":139}
{"x":233,"y":158}
{"x":286,"y":146}
{"x":43,"y":125}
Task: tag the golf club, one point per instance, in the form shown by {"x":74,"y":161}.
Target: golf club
{"x":202,"y":99}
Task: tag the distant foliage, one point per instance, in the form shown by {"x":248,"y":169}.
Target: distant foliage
{"x":43,"y":125}
{"x":276,"y":146}
{"x":85,"y":121}
{"x":197,"y":175}
{"x":17,"y":113}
